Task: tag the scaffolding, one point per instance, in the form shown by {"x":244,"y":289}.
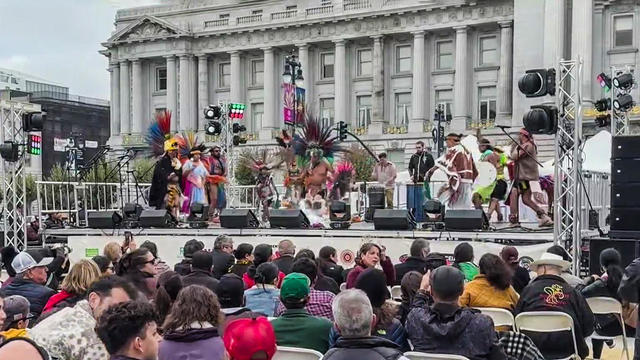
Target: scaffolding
{"x":619,"y":119}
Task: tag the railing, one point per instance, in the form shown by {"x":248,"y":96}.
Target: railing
{"x":356,"y":4}
{"x":216,"y":23}
{"x":68,"y":97}
{"x":320,"y":10}
{"x":287,"y":14}
{"x":250,"y":19}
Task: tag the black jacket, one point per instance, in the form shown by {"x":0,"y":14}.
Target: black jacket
{"x":413,"y":263}
{"x":325,"y":283}
{"x":161,"y":172}
{"x":222,"y":262}
{"x":332,"y":270}
{"x":37,"y":294}
{"x":419,"y":165}
{"x":552,"y":293}
{"x":183,"y":267}
{"x":520,"y":279}
{"x":605,"y":323}
{"x":284,"y":263}
{"x":630,"y":291}
{"x":200,"y":277}
{"x":239,"y":268}
{"x":369,"y":347}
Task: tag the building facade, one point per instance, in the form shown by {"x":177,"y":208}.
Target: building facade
{"x":18,"y":81}
{"x":381,"y":65}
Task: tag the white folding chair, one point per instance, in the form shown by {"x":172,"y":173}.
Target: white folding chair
{"x":546,"y":322}
{"x":293,"y":353}
{"x":500,"y":317}
{"x":416,"y":355}
{"x":607,"y":305}
{"x":396,"y":292}
{"x":343,"y":286}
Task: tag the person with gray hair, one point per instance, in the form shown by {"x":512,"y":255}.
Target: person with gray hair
{"x":286,"y":252}
{"x":417,"y":261}
{"x":223,"y":258}
{"x":354,"y":320}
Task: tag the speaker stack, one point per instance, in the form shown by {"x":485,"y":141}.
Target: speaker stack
{"x":625,"y":187}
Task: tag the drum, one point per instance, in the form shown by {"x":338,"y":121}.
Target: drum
{"x":376,"y":196}
{"x":486,"y":174}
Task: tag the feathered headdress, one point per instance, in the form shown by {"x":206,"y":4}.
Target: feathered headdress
{"x":159,"y":134}
{"x":342,"y":173}
{"x":262,"y":159}
{"x":315,"y":137}
{"x":189,"y":142}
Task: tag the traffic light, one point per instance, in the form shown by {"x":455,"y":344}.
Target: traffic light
{"x":238,"y":128}
{"x":33,"y":121}
{"x":605,"y":81}
{"x":342,"y":130}
{"x":541,"y":119}
{"x":34,"y":145}
{"x":213,"y":128}
{"x":9,"y":151}
{"x":236,"y":111}
{"x":212,"y":112}
{"x":538,"y":82}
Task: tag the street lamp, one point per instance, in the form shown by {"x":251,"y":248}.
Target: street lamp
{"x":293,"y":75}
{"x":299,"y":79}
{"x":286,"y":76}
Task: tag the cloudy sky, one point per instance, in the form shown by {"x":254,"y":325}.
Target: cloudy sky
{"x":59,"y":40}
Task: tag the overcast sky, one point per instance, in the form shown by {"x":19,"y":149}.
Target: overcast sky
{"x":59,"y":40}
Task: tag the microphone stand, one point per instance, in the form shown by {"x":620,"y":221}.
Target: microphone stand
{"x":518,"y":145}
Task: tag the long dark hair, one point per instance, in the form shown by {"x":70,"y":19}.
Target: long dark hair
{"x":129,"y":267}
{"x":610,"y":260}
{"x":169,"y":286}
{"x":195,"y":303}
{"x":463,"y":253}
{"x":261,"y":254}
{"x":496,"y":271}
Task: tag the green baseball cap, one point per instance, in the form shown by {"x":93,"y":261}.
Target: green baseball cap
{"x":295,"y":286}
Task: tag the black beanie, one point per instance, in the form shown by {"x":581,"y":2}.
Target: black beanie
{"x":374,"y":283}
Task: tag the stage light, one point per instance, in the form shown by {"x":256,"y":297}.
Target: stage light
{"x":9,"y":151}
{"x":286,"y":76}
{"x":624,"y":81}
{"x":198,"y":215}
{"x":603,"y":120}
{"x":237,"y":140}
{"x":34,"y":145}
{"x":605,"y":81}
{"x":624,"y":102}
{"x":339,"y":215}
{"x":342,"y":130}
{"x":212,"y":112}
{"x":238,"y":128}
{"x":236,"y":111}
{"x":213,"y":128}
{"x":541,"y":119}
{"x":33,"y":121}
{"x":538,"y":82}
{"x":603,"y":104}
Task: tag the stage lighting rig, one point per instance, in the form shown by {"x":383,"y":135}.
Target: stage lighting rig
{"x":541,"y":119}
{"x":213,"y":112}
{"x":342,"y":130}
{"x":9,"y":151}
{"x":538,"y":82}
{"x":33,"y":121}
{"x":624,"y":102}
{"x":34,"y":145}
{"x":624,"y":81}
{"x":339,"y":215}
{"x":198,"y":216}
{"x":603,"y":105}
{"x":236,"y":111}
{"x":603,"y":120}
{"x":605,"y":81}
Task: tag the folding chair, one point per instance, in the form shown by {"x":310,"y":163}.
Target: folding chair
{"x":343,"y":286}
{"x":416,"y":355}
{"x":293,"y":353}
{"x":545,"y":322}
{"x":604,"y":306}
{"x":396,"y":292}
{"x":500,"y":317}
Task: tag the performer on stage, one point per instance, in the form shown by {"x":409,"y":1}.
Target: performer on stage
{"x":496,"y":191}
{"x":524,"y":156}
{"x":457,"y":163}
{"x":165,"y":146}
{"x":262,"y":166}
{"x":216,"y":181}
{"x":342,"y":180}
{"x":174,"y":199}
{"x":385,"y":173}
{"x":195,"y":176}
{"x":420,"y":163}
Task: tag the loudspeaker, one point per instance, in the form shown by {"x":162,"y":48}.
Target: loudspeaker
{"x":625,"y":147}
{"x":624,"y":222}
{"x":625,"y":194}
{"x":288,"y":219}
{"x":628,"y":250}
{"x":155,"y":218}
{"x":132,"y":211}
{"x":238,"y":219}
{"x":393,"y":219}
{"x":376,"y":196}
{"x":472,"y":219}
{"x":104,"y":219}
{"x":625,"y":170}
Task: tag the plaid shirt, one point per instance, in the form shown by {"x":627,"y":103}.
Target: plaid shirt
{"x":319,"y":304}
{"x":518,"y":346}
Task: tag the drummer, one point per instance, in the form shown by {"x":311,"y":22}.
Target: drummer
{"x":494,"y":192}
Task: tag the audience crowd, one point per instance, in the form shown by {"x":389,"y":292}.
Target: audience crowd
{"x":242,"y":302}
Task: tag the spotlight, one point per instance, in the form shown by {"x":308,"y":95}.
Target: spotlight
{"x":605,"y":81}
{"x":212,"y":112}
{"x":237,"y":140}
{"x":603,"y":121}
{"x":213,"y":128}
{"x":339,"y":215}
{"x":198,"y":215}
{"x":541,"y":119}
{"x":238,"y":128}
{"x":33,"y":121}
{"x":624,"y":81}
{"x":603,"y":104}
{"x":538,"y":82}
{"x":9,"y":151}
{"x":624,"y":102}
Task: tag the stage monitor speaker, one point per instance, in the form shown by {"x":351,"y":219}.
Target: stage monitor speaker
{"x":625,"y":194}
{"x":393,"y":219}
{"x":288,"y":219}
{"x":132,"y":211}
{"x":465,"y":220}
{"x":376,"y":196}
{"x":625,"y":147}
{"x":104,"y":219}
{"x":155,"y":218}
{"x":625,"y":170}
{"x":628,"y":249}
{"x":238,"y":219}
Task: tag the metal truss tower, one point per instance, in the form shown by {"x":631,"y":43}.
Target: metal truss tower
{"x":619,"y":119}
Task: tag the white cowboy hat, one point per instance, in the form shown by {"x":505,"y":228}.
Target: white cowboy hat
{"x":551,"y":259}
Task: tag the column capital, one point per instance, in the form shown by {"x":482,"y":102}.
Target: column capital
{"x":234,"y":52}
{"x":461,"y":29}
{"x":202,"y":56}
{"x":267,"y":49}
{"x":340,"y":42}
{"x":419,"y":33}
{"x":136,"y":61}
{"x":185,"y":56}
{"x":114,"y":64}
{"x":505,"y":24}
{"x":123,"y":62}
{"x":170,"y":57}
{"x":302,"y":46}
{"x":377,"y":37}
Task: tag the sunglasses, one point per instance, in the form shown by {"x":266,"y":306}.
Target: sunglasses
{"x":152,"y":261}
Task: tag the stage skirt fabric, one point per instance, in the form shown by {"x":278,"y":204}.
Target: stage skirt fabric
{"x":195,"y":194}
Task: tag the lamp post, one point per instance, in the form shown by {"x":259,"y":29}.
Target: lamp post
{"x":293,"y":75}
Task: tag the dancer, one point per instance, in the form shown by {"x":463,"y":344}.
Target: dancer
{"x":496,"y":191}
{"x":216,"y":181}
{"x":262,"y":166}
{"x":194,"y":171}
{"x":165,"y":146}
{"x":343,"y":178}
{"x":524,"y":156}
{"x":174,"y":199}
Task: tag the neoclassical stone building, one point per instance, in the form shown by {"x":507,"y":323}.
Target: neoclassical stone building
{"x":381,"y":65}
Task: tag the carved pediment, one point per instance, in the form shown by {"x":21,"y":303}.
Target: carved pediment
{"x":147,"y":28}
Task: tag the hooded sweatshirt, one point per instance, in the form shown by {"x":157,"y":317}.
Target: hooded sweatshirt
{"x":200,"y":341}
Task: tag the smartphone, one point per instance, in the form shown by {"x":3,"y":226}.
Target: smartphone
{"x":128,"y":237}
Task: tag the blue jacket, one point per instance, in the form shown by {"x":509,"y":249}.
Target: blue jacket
{"x":37,"y":294}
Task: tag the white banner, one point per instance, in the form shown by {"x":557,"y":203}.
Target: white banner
{"x":90,"y":144}
{"x":60,"y":144}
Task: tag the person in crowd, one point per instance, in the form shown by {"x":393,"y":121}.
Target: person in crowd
{"x":263,"y":297}
{"x":22,"y":348}
{"x":3,"y":315}
{"x":244,"y":258}
{"x":354,"y":320}
{"x":369,"y":256}
{"x":319,"y":302}
{"x":328,"y":263}
{"x":286,"y":252}
{"x":629,"y":293}
{"x":571,"y":279}
{"x":161,"y":266}
{"x":138,"y":267}
{"x":550,"y":292}
{"x":323,"y":283}
{"x":223,"y":258}
{"x":59,"y":265}
{"x":201,"y":271}
{"x":437,"y":323}
{"x":415,"y":262}
{"x":250,"y":339}
{"x":7,"y":254}
{"x":16,"y":318}
{"x":191,"y":328}
{"x":74,"y":286}
{"x":104,"y":264}
{"x":463,"y":261}
{"x":190,"y":247}
{"x":409,"y":287}
{"x":519,"y":275}
{"x":606,"y":285}
{"x":169,"y":286}
{"x":31,"y":275}
{"x":129,"y":331}
{"x":421,"y":161}
{"x":492,"y":287}
{"x":262,"y":253}
{"x":70,"y":333}
{"x":296,"y":327}
{"x":230,"y":292}
{"x":435,"y":260}
{"x":112,"y":251}
{"x":385,"y":173}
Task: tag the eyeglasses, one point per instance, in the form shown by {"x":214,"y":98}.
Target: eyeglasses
{"x":152,"y":261}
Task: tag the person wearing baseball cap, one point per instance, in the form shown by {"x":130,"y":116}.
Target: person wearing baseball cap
{"x":550,"y":292}
{"x":296,"y":327}
{"x":16,"y":308}
{"x":248,"y":339}
{"x":31,"y":275}
{"x":520,"y":277}
{"x":437,"y":323}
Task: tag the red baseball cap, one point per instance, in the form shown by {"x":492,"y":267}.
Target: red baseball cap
{"x":245,"y":337}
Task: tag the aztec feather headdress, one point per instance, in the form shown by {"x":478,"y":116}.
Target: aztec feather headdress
{"x":159,"y":136}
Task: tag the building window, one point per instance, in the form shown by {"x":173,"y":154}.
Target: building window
{"x":256,"y":12}
{"x":291,"y":7}
{"x":4,"y":78}
{"x":403,"y":109}
{"x":257,"y":113}
{"x":365,"y":62}
{"x":444,"y":98}
{"x":623,"y":30}
{"x":224,"y":16}
{"x":403,"y":58}
{"x":363,"y":104}
{"x":488,"y":50}
{"x":161,"y":79}
{"x":14,"y":81}
{"x":444,"y":53}
{"x":325,"y":2}
{"x":327,"y":61}
{"x":327,"y":111}
{"x":257,"y":72}
{"x":224,"y":75}
{"x":487,"y":103}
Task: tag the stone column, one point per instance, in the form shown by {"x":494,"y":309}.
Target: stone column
{"x":271,"y":92}
{"x":136,"y":91}
{"x":307,"y":72}
{"x":418,"y":98}
{"x":236,"y":77}
{"x":504,"y":90}
{"x":581,"y":41}
{"x":341,"y":82}
{"x":554,"y":15}
{"x":203,"y":89}
{"x":125,"y":98}
{"x":185,"y":92}
{"x":114,"y":70}
{"x":377,"y":98}
{"x":461,"y":85}
{"x":172,"y":91}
